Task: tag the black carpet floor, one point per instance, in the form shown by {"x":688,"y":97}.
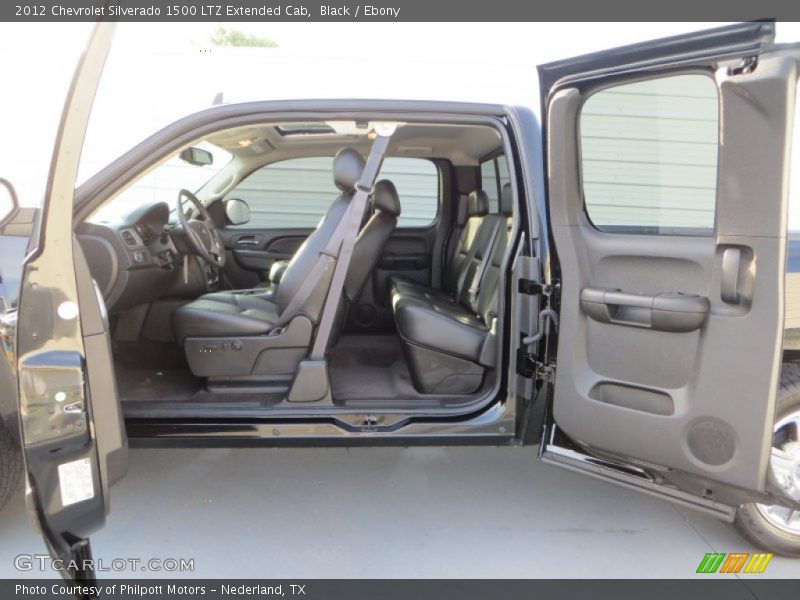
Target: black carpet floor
{"x":362,"y":367}
{"x":370,"y":367}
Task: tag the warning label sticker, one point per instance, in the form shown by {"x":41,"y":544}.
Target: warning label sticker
{"x":75,"y":481}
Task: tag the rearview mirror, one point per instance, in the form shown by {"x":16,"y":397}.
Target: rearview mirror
{"x":196,"y":156}
{"x":9,"y":205}
{"x":237,"y":211}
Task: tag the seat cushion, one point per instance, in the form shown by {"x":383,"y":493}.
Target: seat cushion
{"x":402,"y":287}
{"x":224,"y":314}
{"x":440,"y":325}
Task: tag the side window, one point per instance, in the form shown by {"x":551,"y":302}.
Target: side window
{"x":417,"y":183}
{"x":502,"y":171}
{"x":649,"y":156}
{"x":489,"y":183}
{"x":296,"y":193}
{"x":494,"y":175}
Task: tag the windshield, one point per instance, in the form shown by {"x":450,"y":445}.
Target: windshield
{"x":163,"y":183}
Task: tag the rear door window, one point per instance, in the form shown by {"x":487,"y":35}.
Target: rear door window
{"x":649,"y":156}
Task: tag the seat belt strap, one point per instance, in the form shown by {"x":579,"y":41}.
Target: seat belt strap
{"x":304,"y":291}
{"x":477,"y":278}
{"x":462,"y":276}
{"x":453,"y":235}
{"x":331,"y":251}
{"x":348,"y":238}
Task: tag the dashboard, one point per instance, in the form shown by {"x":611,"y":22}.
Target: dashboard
{"x":140,"y":258}
{"x":147,"y":240}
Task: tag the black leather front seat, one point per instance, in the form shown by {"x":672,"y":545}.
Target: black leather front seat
{"x":253,"y":313}
{"x":379,"y":223}
{"x":372,"y":238}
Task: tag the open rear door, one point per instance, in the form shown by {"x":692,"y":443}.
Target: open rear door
{"x":668,"y":174}
{"x":72,"y":431}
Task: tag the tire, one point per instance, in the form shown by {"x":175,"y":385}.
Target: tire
{"x":10,"y":466}
{"x":749,"y":521}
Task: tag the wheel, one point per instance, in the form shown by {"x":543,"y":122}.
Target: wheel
{"x":10,"y":466}
{"x":775,"y":528}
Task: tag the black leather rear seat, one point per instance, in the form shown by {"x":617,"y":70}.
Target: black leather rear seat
{"x":449,"y":338}
{"x":454,"y":276}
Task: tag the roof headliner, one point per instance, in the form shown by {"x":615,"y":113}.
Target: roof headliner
{"x":262,"y":144}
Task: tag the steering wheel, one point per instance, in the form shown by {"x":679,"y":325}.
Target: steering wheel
{"x":202,"y":233}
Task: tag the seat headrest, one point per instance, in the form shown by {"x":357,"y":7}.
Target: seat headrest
{"x":385,"y":198}
{"x":347,"y":167}
{"x":507,"y":200}
{"x":477,"y":204}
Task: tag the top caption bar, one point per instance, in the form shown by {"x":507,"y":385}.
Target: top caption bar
{"x":397,"y":10}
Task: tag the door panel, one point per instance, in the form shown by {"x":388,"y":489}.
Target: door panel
{"x":251,"y":252}
{"x":106,"y":412}
{"x":669,"y":345}
{"x":408,"y":253}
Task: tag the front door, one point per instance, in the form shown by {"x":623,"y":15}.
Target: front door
{"x":72,"y":432}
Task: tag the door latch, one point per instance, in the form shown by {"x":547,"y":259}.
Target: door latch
{"x":526,"y":363}
{"x":529,"y":287}
{"x":529,"y":368}
{"x":369,"y":423}
{"x":747,"y":65}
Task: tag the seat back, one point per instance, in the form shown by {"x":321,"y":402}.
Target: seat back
{"x":347,"y":167}
{"x":485,"y":304}
{"x":372,"y":239}
{"x":477,"y":208}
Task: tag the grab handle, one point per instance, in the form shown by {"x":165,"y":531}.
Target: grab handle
{"x":668,"y":311}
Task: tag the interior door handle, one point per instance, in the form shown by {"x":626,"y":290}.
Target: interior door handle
{"x":729,"y":281}
{"x":669,"y":311}
{"x":246,"y":240}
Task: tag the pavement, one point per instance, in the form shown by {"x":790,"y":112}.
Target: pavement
{"x":458,"y":512}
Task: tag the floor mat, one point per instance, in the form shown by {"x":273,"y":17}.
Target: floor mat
{"x":163,"y":386}
{"x":148,"y":384}
{"x":362,"y":367}
{"x":370,"y":367}
{"x":156,"y":372}
{"x":154,"y":355}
